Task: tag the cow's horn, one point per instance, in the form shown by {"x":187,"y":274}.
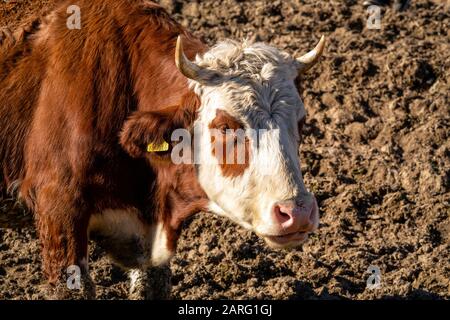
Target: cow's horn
{"x":186,"y":67}
{"x":310,"y":59}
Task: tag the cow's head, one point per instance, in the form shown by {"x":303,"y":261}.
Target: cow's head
{"x":248,"y":101}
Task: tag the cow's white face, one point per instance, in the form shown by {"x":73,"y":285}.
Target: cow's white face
{"x":251,"y":89}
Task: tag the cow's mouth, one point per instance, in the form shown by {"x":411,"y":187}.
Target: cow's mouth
{"x":287,"y":240}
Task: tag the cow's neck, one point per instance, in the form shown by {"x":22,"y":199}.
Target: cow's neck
{"x":159,"y":84}
{"x":179,"y":196}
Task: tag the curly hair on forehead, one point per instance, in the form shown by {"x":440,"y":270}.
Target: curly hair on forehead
{"x":245,"y":58}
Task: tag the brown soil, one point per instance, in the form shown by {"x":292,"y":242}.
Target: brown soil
{"x":376,"y":154}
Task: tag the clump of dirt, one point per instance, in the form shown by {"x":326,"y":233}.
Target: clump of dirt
{"x":376,"y":153}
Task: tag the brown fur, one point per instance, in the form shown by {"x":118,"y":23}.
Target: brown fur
{"x":222,"y":122}
{"x":76,"y":109}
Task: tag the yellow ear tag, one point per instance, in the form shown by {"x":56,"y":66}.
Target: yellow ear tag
{"x":158,"y":147}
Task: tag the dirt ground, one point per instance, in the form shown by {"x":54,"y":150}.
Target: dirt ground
{"x":376,"y":153}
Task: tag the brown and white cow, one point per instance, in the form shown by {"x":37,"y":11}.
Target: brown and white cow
{"x":78,"y":109}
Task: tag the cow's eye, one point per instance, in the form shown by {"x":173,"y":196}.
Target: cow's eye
{"x":223,"y":128}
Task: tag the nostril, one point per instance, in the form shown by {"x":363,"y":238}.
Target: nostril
{"x":284,"y":214}
{"x":280,"y":214}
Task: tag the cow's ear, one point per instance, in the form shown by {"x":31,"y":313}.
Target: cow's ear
{"x":142,"y":129}
{"x":149,"y":132}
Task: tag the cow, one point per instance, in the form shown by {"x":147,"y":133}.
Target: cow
{"x":86,"y":123}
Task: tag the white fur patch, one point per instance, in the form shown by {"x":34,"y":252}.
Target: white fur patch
{"x":160,"y":252}
{"x":135,"y":278}
{"x":125,"y":224}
